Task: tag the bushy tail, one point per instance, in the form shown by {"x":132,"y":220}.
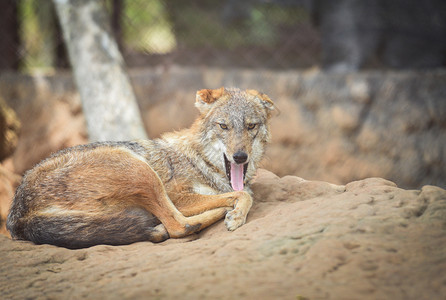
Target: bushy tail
{"x":85,"y":230}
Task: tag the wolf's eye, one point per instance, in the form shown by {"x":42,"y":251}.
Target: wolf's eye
{"x":251,"y":126}
{"x":223,"y":126}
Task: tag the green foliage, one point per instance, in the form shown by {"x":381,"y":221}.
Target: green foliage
{"x":147,"y":27}
{"x":198,"y":26}
{"x":162,"y":26}
{"x":36,"y":33}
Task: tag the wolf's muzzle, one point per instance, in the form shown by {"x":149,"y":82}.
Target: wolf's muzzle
{"x":240,"y":157}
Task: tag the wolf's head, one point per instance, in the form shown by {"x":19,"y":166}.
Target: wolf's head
{"x":234,"y":130}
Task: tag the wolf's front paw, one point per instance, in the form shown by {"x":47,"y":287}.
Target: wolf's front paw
{"x":234,"y":219}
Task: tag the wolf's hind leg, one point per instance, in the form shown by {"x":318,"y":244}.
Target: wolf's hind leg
{"x":177,"y":225}
{"x":159,"y":234}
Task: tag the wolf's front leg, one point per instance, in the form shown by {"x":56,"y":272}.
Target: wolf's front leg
{"x":194,"y":204}
{"x":237,"y":217}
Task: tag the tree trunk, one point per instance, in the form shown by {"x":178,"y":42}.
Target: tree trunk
{"x":116,"y":24}
{"x":107,"y":97}
{"x":9,"y":35}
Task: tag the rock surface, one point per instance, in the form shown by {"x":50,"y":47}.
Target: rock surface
{"x":9,"y":128}
{"x":303,"y":239}
{"x":8,"y":184}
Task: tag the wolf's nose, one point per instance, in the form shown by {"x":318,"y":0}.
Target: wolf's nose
{"x":240,"y":157}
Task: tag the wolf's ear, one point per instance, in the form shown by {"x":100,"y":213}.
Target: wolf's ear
{"x":266,"y":101}
{"x":205,"y":98}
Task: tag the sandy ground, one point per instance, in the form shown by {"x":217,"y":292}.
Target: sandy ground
{"x":303,"y":240}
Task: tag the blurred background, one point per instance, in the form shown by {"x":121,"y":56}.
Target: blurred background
{"x":154,"y":32}
{"x":361,"y":85}
{"x":278,"y":34}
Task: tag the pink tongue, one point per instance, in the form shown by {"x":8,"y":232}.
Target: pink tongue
{"x":237,"y":177}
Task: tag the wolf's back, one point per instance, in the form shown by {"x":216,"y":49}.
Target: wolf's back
{"x":56,"y":204}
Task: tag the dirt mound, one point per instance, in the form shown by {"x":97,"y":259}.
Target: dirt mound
{"x":303,"y":240}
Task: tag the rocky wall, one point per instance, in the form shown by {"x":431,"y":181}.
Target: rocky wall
{"x":331,"y":127}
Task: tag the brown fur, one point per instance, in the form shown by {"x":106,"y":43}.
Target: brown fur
{"x":123,"y":192}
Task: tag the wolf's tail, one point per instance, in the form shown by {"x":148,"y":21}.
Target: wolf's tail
{"x":83,"y":230}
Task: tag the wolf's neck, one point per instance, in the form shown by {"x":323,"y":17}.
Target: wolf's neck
{"x":201,"y":153}
{"x":186,"y":139}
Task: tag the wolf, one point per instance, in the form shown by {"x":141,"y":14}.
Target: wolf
{"x":119,"y":193}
